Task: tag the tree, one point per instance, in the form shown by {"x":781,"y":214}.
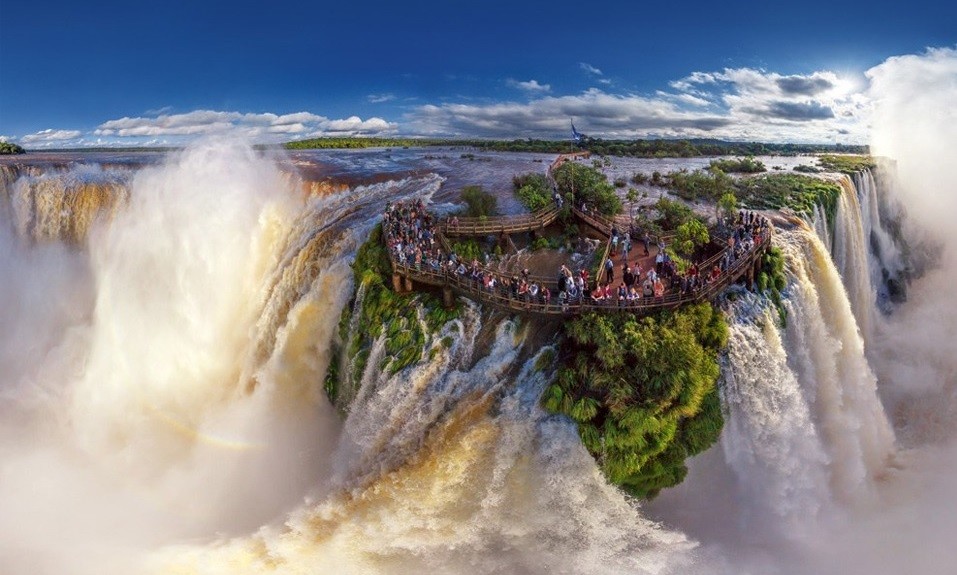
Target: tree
{"x":587,"y":184}
{"x":690,"y":235}
{"x":728,"y":204}
{"x":478,"y":202}
{"x":10,"y":148}
{"x":632,"y":197}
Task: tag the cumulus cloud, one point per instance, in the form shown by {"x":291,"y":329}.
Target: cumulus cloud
{"x":613,"y":116}
{"x":261,"y":127}
{"x":736,"y":104}
{"x":529,"y":86}
{"x":50,"y":136}
{"x":380,"y":98}
{"x":589,"y":68}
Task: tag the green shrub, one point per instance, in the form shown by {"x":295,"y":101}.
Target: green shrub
{"x":478,"y":202}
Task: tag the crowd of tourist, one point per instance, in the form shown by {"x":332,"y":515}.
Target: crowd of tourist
{"x":411,"y":239}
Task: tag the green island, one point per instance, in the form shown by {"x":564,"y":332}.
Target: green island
{"x":7,"y":148}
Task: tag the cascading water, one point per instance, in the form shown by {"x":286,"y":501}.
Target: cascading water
{"x":805,"y":428}
{"x":770,"y":440}
{"x":849,"y":252}
{"x":178,"y":395}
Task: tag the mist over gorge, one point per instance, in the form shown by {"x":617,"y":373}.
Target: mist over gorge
{"x":169,"y":327}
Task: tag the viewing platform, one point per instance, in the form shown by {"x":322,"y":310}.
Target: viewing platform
{"x":723,"y":268}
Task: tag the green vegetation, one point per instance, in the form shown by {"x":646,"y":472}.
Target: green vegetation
{"x":353,"y":143}
{"x":773,"y":279}
{"x":533,"y":191}
{"x":383,"y":309}
{"x":708,"y":184}
{"x":672,"y":214}
{"x":847,"y":164}
{"x":478,"y":202}
{"x":10,"y":148}
{"x":747,"y":165}
{"x":643,"y":392}
{"x":798,"y":192}
{"x":689,"y":236}
{"x":585,"y":183}
{"x":727,"y":205}
{"x":467,"y":249}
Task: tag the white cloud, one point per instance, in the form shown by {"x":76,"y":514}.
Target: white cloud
{"x":736,"y":104}
{"x":50,"y":136}
{"x":380,"y":98}
{"x":529,"y":86}
{"x":158,"y":111}
{"x":589,"y":68}
{"x":267,"y":127}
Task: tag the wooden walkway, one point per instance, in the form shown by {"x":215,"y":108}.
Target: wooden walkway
{"x":499,"y":225}
{"x":748,"y":264}
{"x":464,"y":285}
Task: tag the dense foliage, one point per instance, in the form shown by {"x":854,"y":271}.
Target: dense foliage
{"x":478,"y":202}
{"x":643,"y":392}
{"x":10,"y":148}
{"x":795,"y":191}
{"x":772,"y":279}
{"x":747,"y":165}
{"x":708,"y":184}
{"x":672,"y":214}
{"x":353,"y":143}
{"x":636,"y":148}
{"x":383,"y":309}
{"x":533,"y":191}
{"x":847,"y":164}
{"x":587,"y":184}
{"x":689,"y":236}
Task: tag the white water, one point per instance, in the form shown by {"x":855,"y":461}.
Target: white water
{"x":170,"y":390}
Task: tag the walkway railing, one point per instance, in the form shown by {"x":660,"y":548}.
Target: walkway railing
{"x":644,"y":305}
{"x":501,"y":224}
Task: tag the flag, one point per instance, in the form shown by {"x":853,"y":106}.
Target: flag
{"x":575,"y":134}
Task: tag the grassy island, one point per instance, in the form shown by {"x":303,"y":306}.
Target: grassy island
{"x":7,"y":148}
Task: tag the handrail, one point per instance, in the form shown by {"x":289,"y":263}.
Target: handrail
{"x":643,"y":305}
{"x":501,"y":224}
{"x":502,"y":296}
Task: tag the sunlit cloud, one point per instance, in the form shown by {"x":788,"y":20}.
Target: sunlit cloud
{"x":529,"y":86}
{"x":50,"y":136}
{"x":260,"y":127}
{"x":589,"y":68}
{"x":735,"y":104}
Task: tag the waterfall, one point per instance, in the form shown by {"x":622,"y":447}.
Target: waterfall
{"x":173,"y":392}
{"x":885,"y":255}
{"x":449,"y":466}
{"x":805,"y":427}
{"x":850,"y":254}
{"x":770,"y":439}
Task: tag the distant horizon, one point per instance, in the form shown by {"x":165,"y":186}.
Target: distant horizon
{"x":437,"y":142}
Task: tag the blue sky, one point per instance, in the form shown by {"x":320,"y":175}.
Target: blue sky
{"x":135,"y":73}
